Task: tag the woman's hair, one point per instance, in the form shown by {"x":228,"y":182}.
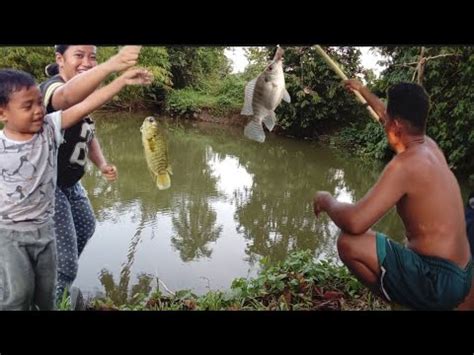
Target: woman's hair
{"x":61,"y":48}
{"x":53,"y":69}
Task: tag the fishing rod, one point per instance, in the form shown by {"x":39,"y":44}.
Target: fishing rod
{"x":343,"y":76}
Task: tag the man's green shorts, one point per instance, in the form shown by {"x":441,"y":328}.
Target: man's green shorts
{"x":420,"y":282}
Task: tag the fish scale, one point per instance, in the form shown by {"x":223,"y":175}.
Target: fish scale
{"x":262,"y":96}
{"x":156,"y":152}
{"x":158,"y":160}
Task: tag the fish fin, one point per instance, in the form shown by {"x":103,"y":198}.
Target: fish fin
{"x":248,"y":98}
{"x":286,"y":96}
{"x":254,"y":130}
{"x":163,"y":181}
{"x":168,"y":169}
{"x":270,"y":121}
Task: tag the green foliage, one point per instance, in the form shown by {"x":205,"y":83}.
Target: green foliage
{"x":64,"y":304}
{"x":448,"y":80}
{"x":323,"y":108}
{"x":156,"y":60}
{"x":258,"y":58}
{"x":202,"y":81}
{"x":34,"y":59}
{"x":298,"y":283}
{"x":189,"y":100}
{"x":191,"y":66}
{"x":191,"y":79}
{"x":319,"y":102}
{"x":30,"y":59}
{"x":367,"y":140}
{"x":218,"y":97}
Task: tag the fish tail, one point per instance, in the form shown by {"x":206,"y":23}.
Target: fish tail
{"x":163,"y":181}
{"x":254,"y":130}
{"x":270,"y":121}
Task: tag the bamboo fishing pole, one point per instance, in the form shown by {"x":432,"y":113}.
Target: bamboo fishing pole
{"x":343,"y":76}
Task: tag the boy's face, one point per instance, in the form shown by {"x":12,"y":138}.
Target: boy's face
{"x":76,"y":59}
{"x":23,"y":115}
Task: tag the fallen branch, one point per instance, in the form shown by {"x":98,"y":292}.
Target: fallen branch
{"x":166,"y":287}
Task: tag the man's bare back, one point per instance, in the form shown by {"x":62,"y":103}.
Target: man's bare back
{"x":433,"y":271}
{"x":432,"y":230}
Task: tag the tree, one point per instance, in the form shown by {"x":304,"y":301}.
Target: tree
{"x":319,"y":103}
{"x":447,"y":75}
{"x":33,"y":60}
{"x":192,"y":66}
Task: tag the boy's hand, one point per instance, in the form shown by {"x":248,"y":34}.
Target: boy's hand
{"x":137,"y":76}
{"x":109,"y":171}
{"x":127,"y":57}
{"x":353,"y":84}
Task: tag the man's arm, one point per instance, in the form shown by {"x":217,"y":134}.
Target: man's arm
{"x":359,"y":217}
{"x":372,"y":100}
{"x":95,"y":100}
{"x":82,"y":85}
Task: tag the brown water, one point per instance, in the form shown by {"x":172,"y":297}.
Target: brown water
{"x":231,"y":202}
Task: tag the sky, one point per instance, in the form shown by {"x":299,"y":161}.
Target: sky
{"x":239,"y":62}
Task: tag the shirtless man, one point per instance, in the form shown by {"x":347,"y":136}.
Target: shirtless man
{"x":433,"y":271}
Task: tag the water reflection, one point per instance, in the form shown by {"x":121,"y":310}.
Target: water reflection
{"x":194,"y":228}
{"x":232,"y":202}
{"x":121,"y":292}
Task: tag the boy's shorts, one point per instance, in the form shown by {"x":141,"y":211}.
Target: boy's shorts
{"x":420,"y":282}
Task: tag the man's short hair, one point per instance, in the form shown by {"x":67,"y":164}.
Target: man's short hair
{"x":12,"y":80}
{"x":410,"y":102}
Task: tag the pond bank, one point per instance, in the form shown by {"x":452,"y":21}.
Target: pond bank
{"x":297,"y":283}
{"x":233,"y":231}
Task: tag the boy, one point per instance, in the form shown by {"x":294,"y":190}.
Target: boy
{"x":28,"y":162}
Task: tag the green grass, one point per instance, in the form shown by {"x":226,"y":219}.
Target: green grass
{"x":298,"y":283}
{"x":64,"y":303}
{"x":218,"y":97}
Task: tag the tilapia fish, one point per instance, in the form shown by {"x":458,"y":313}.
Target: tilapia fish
{"x":262,"y":96}
{"x":156,"y":152}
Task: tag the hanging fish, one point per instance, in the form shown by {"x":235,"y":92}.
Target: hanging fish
{"x":262,"y":96}
{"x":156,"y":152}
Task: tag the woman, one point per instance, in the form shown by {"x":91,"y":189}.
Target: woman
{"x":75,"y":75}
